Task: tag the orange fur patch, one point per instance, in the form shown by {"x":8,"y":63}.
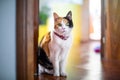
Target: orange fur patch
{"x":58,"y":21}
{"x":44,"y":43}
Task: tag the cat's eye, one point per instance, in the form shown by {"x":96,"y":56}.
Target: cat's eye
{"x":59,"y":24}
{"x":67,"y":24}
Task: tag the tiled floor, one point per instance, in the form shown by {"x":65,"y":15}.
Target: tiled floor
{"x":85,"y":64}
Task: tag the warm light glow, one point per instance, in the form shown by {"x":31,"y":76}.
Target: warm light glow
{"x":95,"y":15}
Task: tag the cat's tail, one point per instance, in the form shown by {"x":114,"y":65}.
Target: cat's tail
{"x":43,"y":59}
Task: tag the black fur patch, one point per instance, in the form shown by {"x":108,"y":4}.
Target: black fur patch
{"x":70,"y":22}
{"x":43,"y":59}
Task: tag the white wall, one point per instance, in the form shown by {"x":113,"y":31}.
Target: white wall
{"x":85,"y":21}
{"x":7,"y":40}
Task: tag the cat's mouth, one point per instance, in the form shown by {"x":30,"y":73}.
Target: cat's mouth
{"x":63,"y":30}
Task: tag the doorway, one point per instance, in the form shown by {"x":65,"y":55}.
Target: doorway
{"x":74,"y":60}
{"x":27,"y":34}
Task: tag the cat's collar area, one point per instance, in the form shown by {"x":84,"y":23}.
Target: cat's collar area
{"x":61,"y":36}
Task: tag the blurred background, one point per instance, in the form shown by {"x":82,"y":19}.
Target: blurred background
{"x":86,"y":15}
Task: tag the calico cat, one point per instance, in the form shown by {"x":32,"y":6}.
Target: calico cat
{"x":54,"y":46}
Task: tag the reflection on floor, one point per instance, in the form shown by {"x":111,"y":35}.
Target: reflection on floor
{"x":85,"y":64}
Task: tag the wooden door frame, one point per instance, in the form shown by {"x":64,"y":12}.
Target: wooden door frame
{"x":103,"y":28}
{"x":26,"y":38}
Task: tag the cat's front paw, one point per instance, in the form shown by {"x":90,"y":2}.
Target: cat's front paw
{"x":63,"y":74}
{"x":56,"y":74}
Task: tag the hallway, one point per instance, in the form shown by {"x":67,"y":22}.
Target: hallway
{"x":85,"y":64}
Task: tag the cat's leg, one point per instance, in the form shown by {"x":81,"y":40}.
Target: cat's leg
{"x":56,"y":68}
{"x":49,"y":71}
{"x":55,"y":62}
{"x":63,"y":63}
{"x":40,"y":69}
{"x":62,"y":68}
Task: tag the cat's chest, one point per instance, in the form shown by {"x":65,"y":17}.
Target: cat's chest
{"x":60,"y":42}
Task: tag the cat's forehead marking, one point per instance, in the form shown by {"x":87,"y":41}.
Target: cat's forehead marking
{"x":60,"y":19}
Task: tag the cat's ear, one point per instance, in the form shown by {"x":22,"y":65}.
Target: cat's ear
{"x":69,"y":15}
{"x":55,"y":16}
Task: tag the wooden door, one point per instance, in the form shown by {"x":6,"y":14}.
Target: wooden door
{"x":112,"y":30}
{"x":26,"y":38}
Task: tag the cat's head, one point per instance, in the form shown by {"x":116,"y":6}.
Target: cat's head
{"x":63,"y":25}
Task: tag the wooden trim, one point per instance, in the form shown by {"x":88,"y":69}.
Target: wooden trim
{"x":36,"y":25}
{"x":26,"y":38}
{"x":103,"y":28}
{"x":21,"y":40}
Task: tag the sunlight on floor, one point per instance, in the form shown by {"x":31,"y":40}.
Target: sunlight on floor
{"x":83,"y":60}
